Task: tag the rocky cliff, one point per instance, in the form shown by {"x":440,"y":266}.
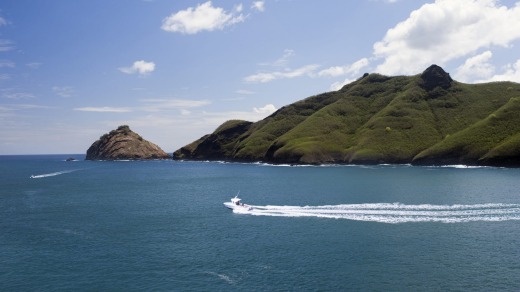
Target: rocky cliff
{"x":428,"y":118}
{"x":122,"y":144}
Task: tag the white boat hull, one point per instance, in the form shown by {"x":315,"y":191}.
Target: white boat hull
{"x":241,"y":207}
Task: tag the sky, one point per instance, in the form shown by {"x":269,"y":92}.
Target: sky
{"x":174,"y":70}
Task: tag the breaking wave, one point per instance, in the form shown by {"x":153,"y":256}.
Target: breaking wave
{"x":396,"y":212}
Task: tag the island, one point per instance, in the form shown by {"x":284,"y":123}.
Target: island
{"x":124,"y":144}
{"x":425,"y":119}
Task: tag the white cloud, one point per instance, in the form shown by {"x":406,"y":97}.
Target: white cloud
{"x":12,"y":93}
{"x":63,"y":91}
{"x":245,"y":92}
{"x":3,"y":21}
{"x":151,"y":105}
{"x":33,"y":106}
{"x":308,"y":70}
{"x":338,"y":85}
{"x":270,"y":76}
{"x":258,"y":5}
{"x":267,"y":109}
{"x":155,"y":105}
{"x":6,"y":45}
{"x":7,"y":63}
{"x":386,"y":1}
{"x":142,"y":67}
{"x":476,"y":67}
{"x":349,"y":70}
{"x":282,"y":61}
{"x":203,"y":17}
{"x":353,"y":68}
{"x":285,"y":73}
{"x":22,"y":106}
{"x":34,"y":65}
{"x":446,"y":30}
{"x":105,"y":109}
{"x":512,"y":73}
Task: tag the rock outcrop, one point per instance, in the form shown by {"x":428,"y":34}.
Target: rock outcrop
{"x":435,"y":76}
{"x":123,"y":144}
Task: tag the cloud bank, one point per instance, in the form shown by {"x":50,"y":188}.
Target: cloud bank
{"x":444,"y":31}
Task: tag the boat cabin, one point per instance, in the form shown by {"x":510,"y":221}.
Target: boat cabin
{"x":236,"y":201}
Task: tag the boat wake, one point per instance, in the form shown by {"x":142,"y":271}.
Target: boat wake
{"x":52,"y":174}
{"x":396,"y":212}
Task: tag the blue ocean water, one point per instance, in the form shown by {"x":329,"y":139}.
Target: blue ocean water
{"x":161,"y":225}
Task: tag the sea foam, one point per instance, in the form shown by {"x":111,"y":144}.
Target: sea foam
{"x":396,"y":212}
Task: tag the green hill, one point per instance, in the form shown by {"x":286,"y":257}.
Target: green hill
{"x":423,"y":119}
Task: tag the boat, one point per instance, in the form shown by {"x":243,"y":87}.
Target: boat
{"x":236,"y":204}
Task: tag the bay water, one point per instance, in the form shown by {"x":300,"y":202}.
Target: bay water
{"x":162,"y":226}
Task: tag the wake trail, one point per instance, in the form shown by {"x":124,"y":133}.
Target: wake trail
{"x":396,"y":212}
{"x":52,"y":174}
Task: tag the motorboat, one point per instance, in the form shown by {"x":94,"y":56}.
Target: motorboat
{"x":236,"y":204}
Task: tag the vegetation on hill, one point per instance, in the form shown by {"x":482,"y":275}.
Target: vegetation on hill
{"x":493,"y":140}
{"x":424,"y":119}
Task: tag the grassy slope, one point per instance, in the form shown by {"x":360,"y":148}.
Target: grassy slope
{"x":386,"y":119}
{"x":324,"y":136}
{"x":507,"y":153}
{"x":255,"y":143}
{"x":394,"y":133}
{"x":221,"y":144}
{"x":492,"y":138}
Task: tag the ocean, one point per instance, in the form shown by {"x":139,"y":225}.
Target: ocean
{"x":162,"y":226}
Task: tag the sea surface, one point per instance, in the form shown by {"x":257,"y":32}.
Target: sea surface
{"x":162,"y":226}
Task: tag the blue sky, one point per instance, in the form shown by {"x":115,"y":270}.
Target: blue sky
{"x":174,"y":70}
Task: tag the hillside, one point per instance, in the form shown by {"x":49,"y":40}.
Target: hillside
{"x":423,"y":119}
{"x":123,"y":143}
